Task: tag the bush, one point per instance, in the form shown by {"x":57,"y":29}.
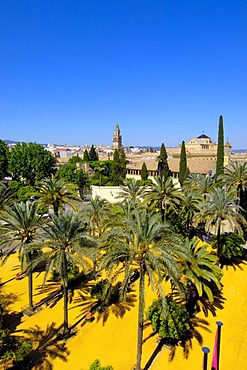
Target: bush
{"x":96,"y":365}
{"x":73,"y":271}
{"x":13,"y":348}
{"x":170,"y":325}
{"x":232,"y":245}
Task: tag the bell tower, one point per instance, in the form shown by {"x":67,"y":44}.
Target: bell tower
{"x":117,"y":138}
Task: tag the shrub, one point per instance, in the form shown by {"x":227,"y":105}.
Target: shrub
{"x":73,"y":271}
{"x":96,"y":365}
{"x":170,"y":325}
{"x":232,"y":245}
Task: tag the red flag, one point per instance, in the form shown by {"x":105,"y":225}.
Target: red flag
{"x":215,"y":359}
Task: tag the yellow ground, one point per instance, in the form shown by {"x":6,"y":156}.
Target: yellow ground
{"x":115,"y":342}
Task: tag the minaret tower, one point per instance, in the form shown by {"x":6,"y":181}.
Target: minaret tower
{"x":117,"y":139}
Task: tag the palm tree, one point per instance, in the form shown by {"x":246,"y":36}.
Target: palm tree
{"x":100,"y":168}
{"x":219,"y":207}
{"x":20,"y":225}
{"x":163,"y":195}
{"x":190,"y":203}
{"x":145,"y":244}
{"x":199,"y":275}
{"x":56,"y":193}
{"x":7,"y":195}
{"x":68,"y":244}
{"x":198,"y":184}
{"x":96,"y":210}
{"x":235,"y":175}
{"x":131,"y":190}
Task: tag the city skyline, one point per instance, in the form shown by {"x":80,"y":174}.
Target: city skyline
{"x":163,"y":71}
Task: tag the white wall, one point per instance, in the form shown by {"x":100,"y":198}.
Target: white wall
{"x":109,"y":193}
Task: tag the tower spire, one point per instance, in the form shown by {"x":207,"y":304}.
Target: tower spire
{"x":117,"y":138}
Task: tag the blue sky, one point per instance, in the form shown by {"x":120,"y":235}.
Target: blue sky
{"x":164,"y":70}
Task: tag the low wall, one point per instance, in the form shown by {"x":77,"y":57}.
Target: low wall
{"x":109,"y":193}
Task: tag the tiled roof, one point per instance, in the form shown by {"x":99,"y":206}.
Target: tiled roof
{"x":195,"y":165}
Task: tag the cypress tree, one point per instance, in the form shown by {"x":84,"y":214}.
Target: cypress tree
{"x":93,"y":155}
{"x":118,"y":167}
{"x":220,"y":149}
{"x":85,"y":156}
{"x":144,"y":172}
{"x":183,"y":169}
{"x":163,"y":168}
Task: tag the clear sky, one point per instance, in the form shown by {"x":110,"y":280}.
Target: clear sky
{"x":164,"y":70}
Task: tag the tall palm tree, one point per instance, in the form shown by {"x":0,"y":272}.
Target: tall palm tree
{"x":56,"y":193}
{"x":235,"y":175}
{"x":219,"y":207}
{"x":20,"y":225}
{"x":163,"y":195}
{"x":145,"y":244}
{"x":68,"y":244}
{"x":100,"y":168}
{"x":190,"y":204}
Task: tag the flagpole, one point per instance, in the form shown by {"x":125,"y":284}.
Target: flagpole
{"x":206,"y":351}
{"x":219,"y":325}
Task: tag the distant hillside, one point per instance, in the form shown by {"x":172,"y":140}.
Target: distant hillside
{"x":15,"y":142}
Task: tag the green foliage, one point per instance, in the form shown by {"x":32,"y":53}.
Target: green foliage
{"x":93,"y":155}
{"x":144,"y":182}
{"x":12,"y":348}
{"x":144,"y":172}
{"x":72,"y":271}
{"x":30,"y":162}
{"x":25,"y":192}
{"x":67,"y":172}
{"x":171,"y":324}
{"x":178,"y":223}
{"x":86,"y":156}
{"x":98,"y":291}
{"x":232,"y":245}
{"x":4,"y":159}
{"x":15,"y":185}
{"x":118,"y":168}
{"x":82,"y":181}
{"x":163,"y":167}
{"x":75,"y":159}
{"x":220,"y":149}
{"x":96,"y":365}
{"x":183,"y":169}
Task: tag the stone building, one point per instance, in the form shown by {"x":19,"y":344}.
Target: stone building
{"x":201,"y":153}
{"x":117,"y":138}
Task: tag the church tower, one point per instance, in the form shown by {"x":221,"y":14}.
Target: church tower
{"x":117,"y":139}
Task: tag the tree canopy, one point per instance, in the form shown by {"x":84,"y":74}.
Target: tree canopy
{"x":31,"y":162}
{"x":4,"y":159}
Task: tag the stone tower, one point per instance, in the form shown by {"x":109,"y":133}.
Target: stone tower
{"x":117,"y":139}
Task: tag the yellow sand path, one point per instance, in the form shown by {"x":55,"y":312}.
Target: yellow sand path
{"x":115,"y":342}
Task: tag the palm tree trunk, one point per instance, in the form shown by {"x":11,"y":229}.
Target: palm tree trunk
{"x":218,"y":243}
{"x":65,"y":309}
{"x":30,"y":290}
{"x":162,"y":213}
{"x":140,"y":318}
{"x":55,"y":207}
